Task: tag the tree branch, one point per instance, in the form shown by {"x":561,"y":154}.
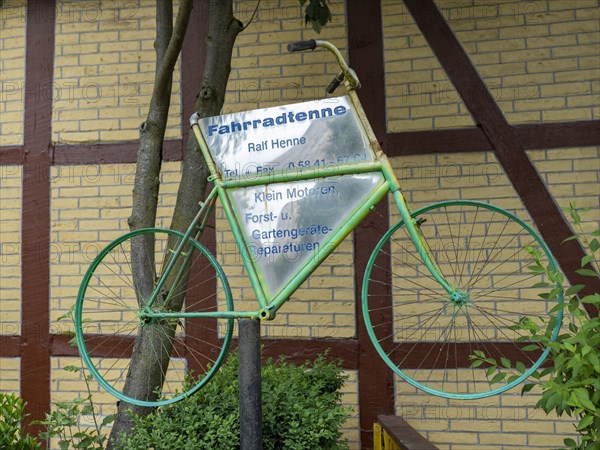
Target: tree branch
{"x":168,"y":44}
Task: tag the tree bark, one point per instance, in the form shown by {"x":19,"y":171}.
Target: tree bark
{"x":154,"y":340}
{"x":223,"y":30}
{"x":168,"y":44}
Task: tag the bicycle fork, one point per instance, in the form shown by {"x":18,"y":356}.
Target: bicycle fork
{"x":415,"y":234}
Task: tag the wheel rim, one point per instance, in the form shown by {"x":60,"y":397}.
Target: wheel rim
{"x":425,"y":334}
{"x":109,"y":320}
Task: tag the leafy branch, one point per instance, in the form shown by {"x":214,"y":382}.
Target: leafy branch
{"x":571,"y":383}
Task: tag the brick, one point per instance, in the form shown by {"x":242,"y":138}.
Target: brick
{"x":523,"y":31}
{"x":567,"y":115}
{"x":545,"y":440}
{"x":581,"y":26}
{"x":579,"y":88}
{"x":579,"y":50}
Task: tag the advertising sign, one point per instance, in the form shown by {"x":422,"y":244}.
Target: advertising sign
{"x":307,"y":135}
{"x":287,"y":223}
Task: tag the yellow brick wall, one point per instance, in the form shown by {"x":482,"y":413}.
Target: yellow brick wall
{"x":104,"y":71}
{"x":539,"y":59}
{"x":506,"y":422}
{"x":10,"y":249}
{"x":10,"y":369}
{"x":12,"y":72}
{"x":351,"y":428}
{"x":572,"y":174}
{"x":90,"y":205}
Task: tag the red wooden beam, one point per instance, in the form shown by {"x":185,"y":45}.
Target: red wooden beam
{"x":365,"y":46}
{"x":35,"y":266}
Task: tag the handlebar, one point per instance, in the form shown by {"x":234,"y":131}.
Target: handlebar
{"x":301,"y":46}
{"x":347,"y":74}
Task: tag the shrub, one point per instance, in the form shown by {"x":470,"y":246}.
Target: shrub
{"x":571,"y":383}
{"x":12,"y":413}
{"x":301,"y":410}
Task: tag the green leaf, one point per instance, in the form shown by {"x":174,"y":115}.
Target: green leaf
{"x":587,"y":272}
{"x":498,"y":378}
{"x":594,"y":245}
{"x":570,"y":443}
{"x":586,"y":260}
{"x":479,"y":353}
{"x":574,"y":289}
{"x":527,"y":387}
{"x":505,"y":362}
{"x":108,"y":419}
{"x":583,"y":396}
{"x":594,"y":298}
{"x":585,"y":422}
{"x":72,"y":368}
{"x":477,"y":363}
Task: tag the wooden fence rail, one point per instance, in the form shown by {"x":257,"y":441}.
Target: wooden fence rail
{"x":394,"y":433}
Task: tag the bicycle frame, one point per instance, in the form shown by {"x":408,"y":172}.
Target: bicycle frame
{"x":270,"y":304}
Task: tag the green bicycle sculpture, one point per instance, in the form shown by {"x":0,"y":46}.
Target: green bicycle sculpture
{"x":446,"y":282}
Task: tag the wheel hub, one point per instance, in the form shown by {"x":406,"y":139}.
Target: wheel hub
{"x":459,"y":298}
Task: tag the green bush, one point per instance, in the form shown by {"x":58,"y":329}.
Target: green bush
{"x":301,"y":410}
{"x":12,"y":413}
{"x":570,"y":385}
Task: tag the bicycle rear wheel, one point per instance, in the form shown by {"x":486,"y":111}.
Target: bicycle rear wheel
{"x":138,"y":358}
{"x":430,"y":337}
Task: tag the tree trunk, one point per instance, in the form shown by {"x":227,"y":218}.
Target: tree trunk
{"x":223,"y":30}
{"x":145,"y":370}
{"x":168,"y":44}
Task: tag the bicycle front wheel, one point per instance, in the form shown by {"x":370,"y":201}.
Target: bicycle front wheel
{"x":137,"y":357}
{"x":431,"y":338}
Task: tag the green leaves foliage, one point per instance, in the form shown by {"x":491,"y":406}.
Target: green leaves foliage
{"x":12,"y":414}
{"x":571,"y":384}
{"x":301,"y":411}
{"x":317,"y":13}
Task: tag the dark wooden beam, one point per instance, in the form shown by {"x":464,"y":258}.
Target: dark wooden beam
{"x":503,"y":138}
{"x":35,"y":266}
{"x":11,"y":155}
{"x":436,"y":141}
{"x":365,"y":48}
{"x":9,"y":346}
{"x":309,"y":349}
{"x":109,"y":153}
{"x":559,"y":135}
{"x":531,"y":136}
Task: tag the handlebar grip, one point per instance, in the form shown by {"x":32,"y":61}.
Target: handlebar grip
{"x":333,"y":85}
{"x":301,"y":46}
